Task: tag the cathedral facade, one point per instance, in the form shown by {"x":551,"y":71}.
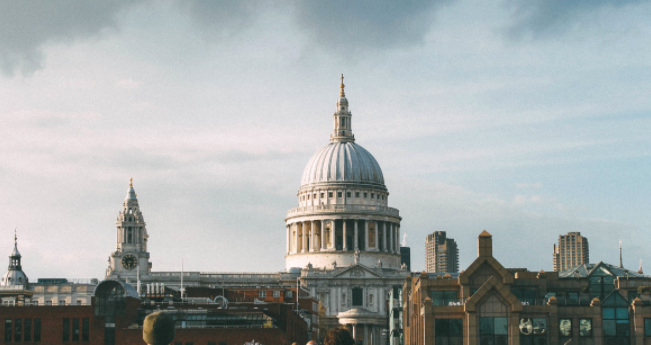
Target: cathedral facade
{"x":341,"y":241}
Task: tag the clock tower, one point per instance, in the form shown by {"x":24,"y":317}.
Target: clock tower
{"x":130,"y":255}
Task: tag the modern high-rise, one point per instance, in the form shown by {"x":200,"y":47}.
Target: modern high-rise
{"x":572,"y":250}
{"x":441,"y":253}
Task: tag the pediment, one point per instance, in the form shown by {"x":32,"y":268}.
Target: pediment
{"x":483,"y":265}
{"x":357,"y":272}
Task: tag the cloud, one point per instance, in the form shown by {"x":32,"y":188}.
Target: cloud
{"x":27,"y":26}
{"x":348,"y":27}
{"x":542,"y":19}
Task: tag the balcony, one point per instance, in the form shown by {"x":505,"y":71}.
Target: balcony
{"x":343,"y":208}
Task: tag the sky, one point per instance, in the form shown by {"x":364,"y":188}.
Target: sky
{"x":526,"y":119}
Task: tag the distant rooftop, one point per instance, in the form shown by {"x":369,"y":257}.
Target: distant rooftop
{"x":600,"y":268}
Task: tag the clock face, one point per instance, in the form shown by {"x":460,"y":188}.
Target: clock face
{"x":129,"y":261}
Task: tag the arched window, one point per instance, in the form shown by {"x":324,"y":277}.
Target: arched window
{"x":110,"y":299}
{"x":129,"y":235}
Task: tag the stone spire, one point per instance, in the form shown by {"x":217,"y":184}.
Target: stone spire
{"x":342,"y":117}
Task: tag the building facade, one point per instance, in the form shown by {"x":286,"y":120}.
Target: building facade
{"x":441,"y":253}
{"x":590,"y":304}
{"x":572,"y":251}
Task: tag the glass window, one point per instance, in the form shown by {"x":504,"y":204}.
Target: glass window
{"x":66,"y":329}
{"x":493,"y":331}
{"x":37,"y":329}
{"x":533,"y":331}
{"x":573,"y":298}
{"x":565,"y":327}
{"x":85,"y":328}
{"x":357,"y":194}
{"x":365,"y":195}
{"x":276,"y":294}
{"x":443,"y":298}
{"x":18,"y":330}
{"x":75,"y":329}
{"x":262,"y":294}
{"x":358,"y":296}
{"x":448,"y":331}
{"x":27,"y":332}
{"x":288,"y":294}
{"x":329,"y":194}
{"x":348,"y":194}
{"x":8,"y":329}
{"x":647,"y":327}
{"x":339,"y":194}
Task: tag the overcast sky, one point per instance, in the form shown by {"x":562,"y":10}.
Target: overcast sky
{"x":527,"y":119}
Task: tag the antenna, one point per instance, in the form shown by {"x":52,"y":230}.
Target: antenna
{"x":620,"y":255}
{"x":182,"y":290}
{"x":404,"y":240}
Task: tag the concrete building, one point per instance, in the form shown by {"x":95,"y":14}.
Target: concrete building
{"x":441,"y":253}
{"x":590,"y":304}
{"x":572,"y":251}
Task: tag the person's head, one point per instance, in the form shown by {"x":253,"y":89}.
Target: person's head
{"x":158,"y":329}
{"x":339,"y":336}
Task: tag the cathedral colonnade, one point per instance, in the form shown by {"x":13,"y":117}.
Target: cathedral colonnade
{"x":342,"y":234}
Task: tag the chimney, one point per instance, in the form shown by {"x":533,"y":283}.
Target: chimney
{"x":485,"y":245}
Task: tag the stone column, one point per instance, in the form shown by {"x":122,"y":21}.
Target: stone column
{"x":322,"y":234}
{"x":393,"y":239}
{"x":303,"y":238}
{"x":312,"y":237}
{"x":355,"y":332}
{"x":386,"y":238}
{"x":366,"y":237}
{"x":332,"y":234}
{"x":356,"y":239}
{"x":397,"y":238}
{"x":366,"y":335}
{"x":289,"y":237}
{"x":344,"y":247}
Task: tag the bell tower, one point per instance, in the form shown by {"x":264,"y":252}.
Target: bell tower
{"x":130,"y":257}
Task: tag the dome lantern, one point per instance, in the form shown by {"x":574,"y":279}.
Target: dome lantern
{"x":342,"y":118}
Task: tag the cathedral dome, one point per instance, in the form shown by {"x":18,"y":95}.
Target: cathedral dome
{"x":342,"y":161}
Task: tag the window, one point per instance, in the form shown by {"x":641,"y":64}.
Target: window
{"x":343,"y":299}
{"x":493,"y":331}
{"x":27,"y":332}
{"x":358,"y":297}
{"x":601,"y":283}
{"x":565,"y":327}
{"x":343,"y":120}
{"x":365,"y":195}
{"x":348,"y":194}
{"x":276,"y":294}
{"x":573,"y":298}
{"x":62,"y":302}
{"x":615,"y":319}
{"x":75,"y":329}
{"x":8,"y":329}
{"x":448,"y":331}
{"x":288,"y":294}
{"x":322,"y":195}
{"x":48,"y":302}
{"x":357,"y":194}
{"x":80,"y":302}
{"x":533,"y":331}
{"x":372,"y":195}
{"x":262,"y":294}
{"x":18,"y":330}
{"x":85,"y":327}
{"x":308,"y":197}
{"x":66,"y":329}
{"x":527,"y":297}
{"x":339,"y":194}
{"x":370,"y":299}
{"x":647,"y":327}
{"x":585,"y":327}
{"x":329,"y":194}
{"x":37,"y":329}
{"x":441,"y":298}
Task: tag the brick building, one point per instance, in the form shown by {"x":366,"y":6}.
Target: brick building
{"x":488,"y":304}
{"x":116,"y":314}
